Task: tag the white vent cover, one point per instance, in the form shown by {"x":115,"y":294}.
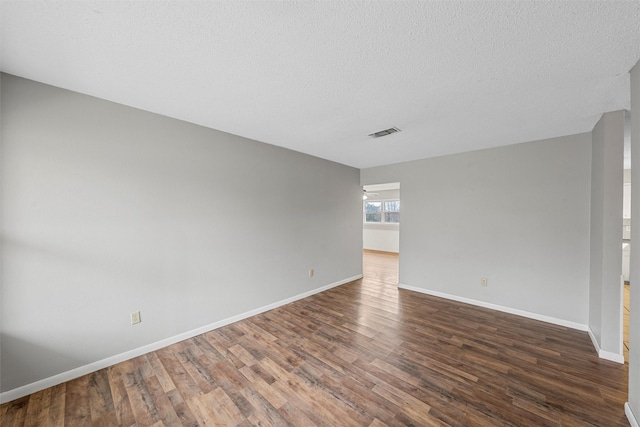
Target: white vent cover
{"x":385,"y":132}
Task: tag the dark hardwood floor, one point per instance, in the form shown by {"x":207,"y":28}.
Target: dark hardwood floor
{"x":362,"y":354}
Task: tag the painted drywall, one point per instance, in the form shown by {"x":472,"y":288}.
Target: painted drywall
{"x":605,"y":286}
{"x":633,"y":406}
{"x":382,"y":237}
{"x":517,"y":215}
{"x":107,"y":210}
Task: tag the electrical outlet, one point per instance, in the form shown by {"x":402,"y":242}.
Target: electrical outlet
{"x":483,"y":281}
{"x":135,"y":318}
{"x":311,"y":272}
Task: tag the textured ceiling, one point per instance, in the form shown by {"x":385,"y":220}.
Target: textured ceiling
{"x":318,"y":77}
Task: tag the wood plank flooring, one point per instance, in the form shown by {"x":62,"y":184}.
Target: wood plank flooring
{"x":362,"y":354}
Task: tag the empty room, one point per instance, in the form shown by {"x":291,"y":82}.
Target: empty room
{"x":195,"y":198}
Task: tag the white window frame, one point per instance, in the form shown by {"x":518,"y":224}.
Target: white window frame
{"x":382,"y":212}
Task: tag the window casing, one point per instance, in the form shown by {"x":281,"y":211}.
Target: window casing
{"x":382,"y":211}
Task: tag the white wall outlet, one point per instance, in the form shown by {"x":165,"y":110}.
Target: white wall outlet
{"x":484,"y":281}
{"x":135,"y":317}
{"x":311,"y":272}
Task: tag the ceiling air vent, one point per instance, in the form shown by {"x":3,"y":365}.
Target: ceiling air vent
{"x":385,"y":132}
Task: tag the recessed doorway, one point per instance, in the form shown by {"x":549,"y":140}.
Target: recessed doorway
{"x":381,"y":226}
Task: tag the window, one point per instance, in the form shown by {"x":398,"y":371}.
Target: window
{"x":373,"y":211}
{"x":387,"y":211}
{"x":392,"y":211}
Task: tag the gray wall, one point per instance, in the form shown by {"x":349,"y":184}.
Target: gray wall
{"x":517,"y":215}
{"x":634,"y":321}
{"x":607,"y":180}
{"x":108,"y":209}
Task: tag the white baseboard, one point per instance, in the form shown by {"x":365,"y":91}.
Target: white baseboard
{"x":630,"y":416}
{"x":528,"y":314}
{"x":603,"y":354}
{"x":607,"y":355}
{"x":34,"y":387}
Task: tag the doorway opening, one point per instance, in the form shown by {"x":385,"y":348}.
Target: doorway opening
{"x":381,"y":222}
{"x":626,"y":258}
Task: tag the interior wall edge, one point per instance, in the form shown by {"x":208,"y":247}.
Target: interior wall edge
{"x":631,"y":416}
{"x":603,"y":354}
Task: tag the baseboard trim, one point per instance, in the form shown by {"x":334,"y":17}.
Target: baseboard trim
{"x":34,"y":387}
{"x":528,"y":314}
{"x":630,"y":415}
{"x":603,"y":354}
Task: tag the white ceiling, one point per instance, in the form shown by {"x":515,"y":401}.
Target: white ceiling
{"x":318,"y":77}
